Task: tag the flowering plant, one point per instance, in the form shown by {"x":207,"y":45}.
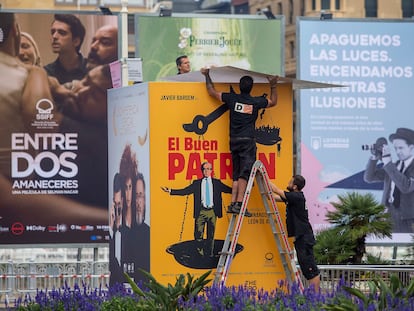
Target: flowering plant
{"x":194,"y":294}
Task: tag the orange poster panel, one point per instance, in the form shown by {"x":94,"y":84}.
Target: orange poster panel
{"x":187,"y":128}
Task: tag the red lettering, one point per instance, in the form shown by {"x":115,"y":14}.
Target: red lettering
{"x":270,"y":164}
{"x":193,"y":167}
{"x":226,"y":167}
{"x":176,"y":164}
{"x":210,"y":157}
{"x":188,"y":143}
{"x":206,"y":145}
{"x":173,"y":143}
{"x":189,"y":164}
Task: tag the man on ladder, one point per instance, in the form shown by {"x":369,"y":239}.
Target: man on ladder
{"x":244,"y":110}
{"x":298,"y":226}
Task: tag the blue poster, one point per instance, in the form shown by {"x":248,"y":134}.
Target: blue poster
{"x":358,"y":137}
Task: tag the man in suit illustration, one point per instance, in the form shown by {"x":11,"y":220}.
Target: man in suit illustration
{"x":207,"y":206}
{"x":398,"y":178}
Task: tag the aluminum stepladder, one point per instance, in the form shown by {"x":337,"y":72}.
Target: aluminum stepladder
{"x":259,"y":174}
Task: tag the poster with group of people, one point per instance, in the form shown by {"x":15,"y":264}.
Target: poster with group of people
{"x":359,"y":137}
{"x":53,"y":147}
{"x":129,"y":182}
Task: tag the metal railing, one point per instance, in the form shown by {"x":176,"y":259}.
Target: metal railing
{"x":358,"y":276}
{"x":17,"y":279}
{"x":20,"y":278}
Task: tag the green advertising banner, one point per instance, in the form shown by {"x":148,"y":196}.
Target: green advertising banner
{"x":255,"y":44}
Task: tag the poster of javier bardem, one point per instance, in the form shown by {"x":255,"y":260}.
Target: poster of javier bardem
{"x":252,"y":43}
{"x":357,"y":138}
{"x":53,"y":145}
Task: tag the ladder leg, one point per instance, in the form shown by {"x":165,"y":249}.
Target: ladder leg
{"x":278,"y":228}
{"x":225,"y":253}
{"x":259,"y":174}
{"x":233,"y":231}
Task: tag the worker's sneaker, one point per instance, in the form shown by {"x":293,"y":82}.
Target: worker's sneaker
{"x":230,"y":207}
{"x":235,"y":209}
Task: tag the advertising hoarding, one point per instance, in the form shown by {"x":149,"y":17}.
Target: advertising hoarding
{"x":343,"y":128}
{"x":53,"y":163}
{"x":170,"y":154}
{"x":250,"y":43}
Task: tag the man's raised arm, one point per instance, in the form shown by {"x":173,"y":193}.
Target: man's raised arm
{"x":272,"y":101}
{"x":210,"y":86}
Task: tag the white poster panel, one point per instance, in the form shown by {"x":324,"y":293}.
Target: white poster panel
{"x":344,"y":130}
{"x":128,"y":182}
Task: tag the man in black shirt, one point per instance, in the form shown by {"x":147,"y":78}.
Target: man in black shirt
{"x":67,"y":34}
{"x":298,"y":226}
{"x":244,"y":110}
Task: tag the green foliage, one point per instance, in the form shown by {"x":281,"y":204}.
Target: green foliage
{"x":341,"y":303}
{"x":355,"y":216}
{"x":333,"y":246}
{"x":123,"y":303}
{"x":360,"y":214}
{"x":386,"y":292}
{"x":160,"y":297}
{"x":32,"y":306}
{"x":381,"y":296}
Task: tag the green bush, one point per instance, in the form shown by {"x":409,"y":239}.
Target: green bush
{"x":166,"y":298}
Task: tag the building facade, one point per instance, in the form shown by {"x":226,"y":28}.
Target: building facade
{"x":290,"y":9}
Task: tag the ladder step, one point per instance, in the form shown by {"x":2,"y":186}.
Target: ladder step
{"x":286,"y":252}
{"x":226,"y":253}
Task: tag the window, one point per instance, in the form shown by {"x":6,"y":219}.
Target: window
{"x":279,"y":9}
{"x":325,"y":4}
{"x":337,"y":4}
{"x":292,"y":49}
{"x":313,"y":5}
{"x":407,"y":7}
{"x":302,"y":8}
{"x":371,"y":7}
{"x":290,"y":11}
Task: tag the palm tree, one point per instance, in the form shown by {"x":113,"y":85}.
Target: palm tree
{"x":333,"y":247}
{"x":358,"y":215}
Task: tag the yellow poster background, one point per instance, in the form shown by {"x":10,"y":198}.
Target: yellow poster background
{"x":175,"y":158}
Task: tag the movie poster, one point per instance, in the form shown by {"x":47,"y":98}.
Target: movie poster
{"x":129,"y":182}
{"x":344,"y":130}
{"x":53,"y":134}
{"x":185,"y":136}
